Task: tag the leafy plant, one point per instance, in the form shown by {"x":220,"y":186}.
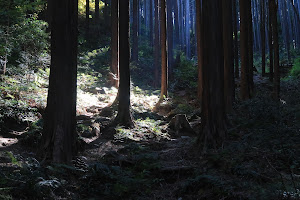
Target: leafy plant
{"x":296,"y":68}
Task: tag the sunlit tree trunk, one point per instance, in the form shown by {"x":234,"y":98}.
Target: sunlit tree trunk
{"x":124,"y":117}
{"x":170,"y":37}
{"x":213,"y":117}
{"x":164,"y":56}
{"x":58,"y":141}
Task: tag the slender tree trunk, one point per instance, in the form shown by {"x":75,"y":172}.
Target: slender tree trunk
{"x":156,"y":44}
{"x":199,"y":48}
{"x":245,"y":93}
{"x":276,"y":88}
{"x":105,"y":13}
{"x":135,"y":31}
{"x":228,"y":54}
{"x":270,"y":44}
{"x":151,"y":23}
{"x":236,"y":45}
{"x":58,"y":141}
{"x":124,"y":117}
{"x":164,"y":56}
{"x":170,"y":37}
{"x":97,"y":10}
{"x":213,"y":114}
{"x":87,"y":17}
{"x":263,"y":37}
{"x":250,"y":47}
{"x":176,"y":24}
{"x":114,"y":75}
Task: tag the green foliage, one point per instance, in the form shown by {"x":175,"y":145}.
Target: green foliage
{"x":296,"y":68}
{"x":185,"y":73}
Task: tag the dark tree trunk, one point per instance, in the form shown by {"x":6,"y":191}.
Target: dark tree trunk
{"x":176,"y":23}
{"x":236,"y":45}
{"x":156,"y":44}
{"x":124,"y":117}
{"x":244,"y":37}
{"x":164,"y":56}
{"x":114,"y":68}
{"x":199,"y":30}
{"x":97,"y":10}
{"x":58,"y":141}
{"x":135,"y":44}
{"x":170,"y":37}
{"x":213,"y":114}
{"x":270,"y":44}
{"x":263,"y":37}
{"x":105,"y":13}
{"x":276,"y":88}
{"x":250,"y":47}
{"x":87,"y":17}
{"x":228,"y":54}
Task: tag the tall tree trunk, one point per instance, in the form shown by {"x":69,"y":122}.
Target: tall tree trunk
{"x":270,"y":44}
{"x":213,"y":114}
{"x":114,"y":68}
{"x":228,"y":54}
{"x":250,"y":47}
{"x":164,"y":56}
{"x":87,"y":17}
{"x":124,"y":117}
{"x":236,"y":45}
{"x":151,"y":23}
{"x":170,"y":37}
{"x":199,"y":48}
{"x":263,"y":37}
{"x":176,"y":24}
{"x":156,"y":44}
{"x":244,"y":37}
{"x":105,"y":13}
{"x":58,"y":141}
{"x":276,"y":88}
{"x":135,"y":31}
{"x":97,"y":10}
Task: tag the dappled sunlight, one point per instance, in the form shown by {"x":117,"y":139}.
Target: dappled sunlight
{"x":6,"y":142}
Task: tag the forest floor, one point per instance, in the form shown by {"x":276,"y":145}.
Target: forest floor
{"x":260,"y":158}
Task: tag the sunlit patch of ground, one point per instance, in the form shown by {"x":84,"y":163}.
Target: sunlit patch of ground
{"x":5,"y":142}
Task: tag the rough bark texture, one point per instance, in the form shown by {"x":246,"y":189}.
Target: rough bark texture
{"x":236,"y":45}
{"x":199,"y":48}
{"x":156,"y":45}
{"x":164,"y":56}
{"x":58,"y":141}
{"x":213,"y":114}
{"x":245,"y":93}
{"x":263,"y":37}
{"x":124,"y":117}
{"x":114,"y":68}
{"x":276,"y":88}
{"x":135,"y":23}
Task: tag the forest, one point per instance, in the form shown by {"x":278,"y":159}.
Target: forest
{"x":149,"y":99}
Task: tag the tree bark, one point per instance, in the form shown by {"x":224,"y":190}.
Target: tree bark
{"x":245,"y":93}
{"x":236,"y":45}
{"x":199,"y":48}
{"x":228,"y":54}
{"x":250,"y":47}
{"x":213,"y":114}
{"x":270,"y":44}
{"x":87,"y":17}
{"x":114,"y":68}
{"x":58,"y":141}
{"x":124,"y":117}
{"x":97,"y":10}
{"x":276,"y":88}
{"x":151,"y":23}
{"x":263,"y":37}
{"x":170,"y":37}
{"x":164,"y":56}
